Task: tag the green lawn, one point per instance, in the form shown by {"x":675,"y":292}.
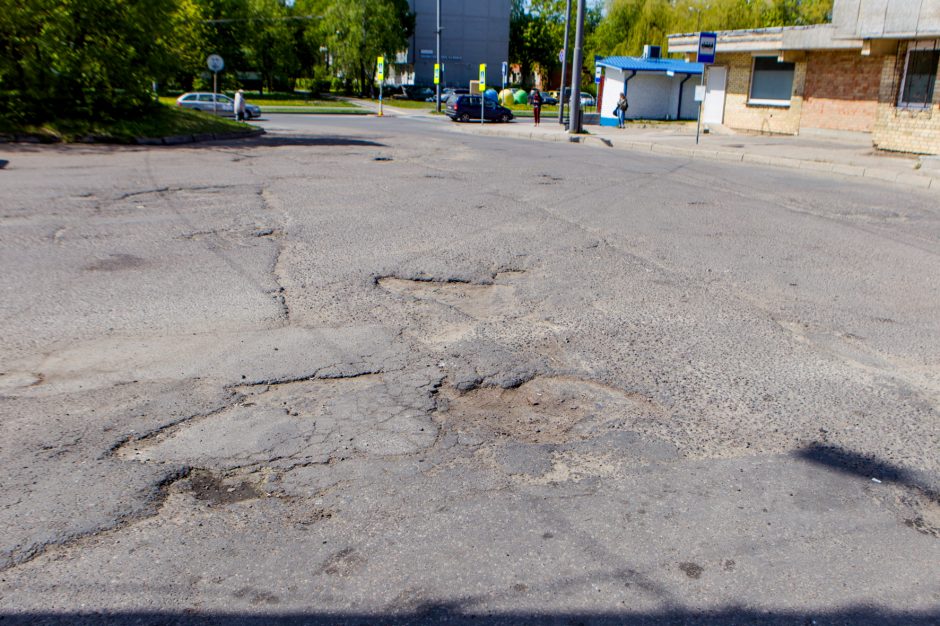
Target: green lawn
{"x":162,"y":121}
{"x":331,"y":103}
{"x":323,"y":110}
{"x":406,"y":104}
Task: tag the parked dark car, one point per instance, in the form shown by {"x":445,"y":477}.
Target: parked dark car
{"x":463,"y":108}
{"x":409,"y":92}
{"x":547,"y":98}
{"x":448,"y":92}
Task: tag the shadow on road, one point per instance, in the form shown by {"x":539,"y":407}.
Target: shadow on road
{"x":275,"y":141}
{"x":867,"y":466}
{"x":446,"y":614}
{"x":263,"y":141}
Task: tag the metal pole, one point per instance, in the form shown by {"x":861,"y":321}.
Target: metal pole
{"x":438,"y":85}
{"x":564,"y":67}
{"x":574,"y":126}
{"x":701,"y":105}
{"x":215,"y":97}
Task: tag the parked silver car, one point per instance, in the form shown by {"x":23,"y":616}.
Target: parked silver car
{"x":223,"y":105}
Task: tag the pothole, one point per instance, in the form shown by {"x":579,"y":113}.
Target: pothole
{"x":478,"y":301}
{"x":10,"y":381}
{"x":210,"y":488}
{"x":544,"y":410}
{"x":115,"y":263}
{"x":298,"y":423}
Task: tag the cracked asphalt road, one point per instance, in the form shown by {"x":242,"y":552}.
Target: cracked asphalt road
{"x":375,"y":371}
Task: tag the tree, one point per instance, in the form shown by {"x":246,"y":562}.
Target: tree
{"x":269,"y":45}
{"x":630,"y":24}
{"x":357,"y":32}
{"x":89,"y":59}
{"x":537,"y":33}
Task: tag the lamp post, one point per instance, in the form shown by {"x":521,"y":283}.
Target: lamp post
{"x":574,"y":124}
{"x":564,"y":66}
{"x":437,"y":87}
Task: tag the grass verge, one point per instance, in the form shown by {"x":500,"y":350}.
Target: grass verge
{"x":161,"y":121}
{"x":332,"y":103}
{"x":317,"y":110}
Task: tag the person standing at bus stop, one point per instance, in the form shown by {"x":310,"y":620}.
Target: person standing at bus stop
{"x":536,"y":105}
{"x":622,"y":107}
{"x":240,"y":105}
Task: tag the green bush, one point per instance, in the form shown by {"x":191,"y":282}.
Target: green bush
{"x":88,"y":59}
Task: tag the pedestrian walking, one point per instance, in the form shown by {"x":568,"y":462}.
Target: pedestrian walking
{"x":536,"y":105}
{"x":622,"y":106}
{"x":240,"y":105}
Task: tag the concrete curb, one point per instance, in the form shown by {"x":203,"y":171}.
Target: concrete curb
{"x":177,"y":140}
{"x":174,"y":140}
{"x":842,"y":169}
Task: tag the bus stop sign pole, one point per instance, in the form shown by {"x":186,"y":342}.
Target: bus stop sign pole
{"x":706,"y":55}
{"x":380,"y":75}
{"x":215,"y":64}
{"x":482,"y":92}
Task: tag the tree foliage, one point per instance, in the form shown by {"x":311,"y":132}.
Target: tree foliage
{"x":630,"y":24}
{"x":91,"y":59}
{"x":537,"y":33}
{"x":357,"y":32}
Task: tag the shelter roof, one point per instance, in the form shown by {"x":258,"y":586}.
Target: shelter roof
{"x":641,"y":64}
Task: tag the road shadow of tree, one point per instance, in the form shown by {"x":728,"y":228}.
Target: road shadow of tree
{"x":262,"y":141}
{"x":451,"y":614}
{"x":868,"y":466}
{"x":277,"y":141}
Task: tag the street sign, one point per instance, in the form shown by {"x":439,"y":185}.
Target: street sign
{"x":597,"y":74}
{"x":706,"y":47}
{"x":215,"y":63}
{"x":482,"y":77}
{"x":505,"y":72}
{"x":437,"y":73}
{"x":561,"y":56}
{"x":380,"y":72}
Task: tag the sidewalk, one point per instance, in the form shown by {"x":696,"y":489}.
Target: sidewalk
{"x":847,"y":154}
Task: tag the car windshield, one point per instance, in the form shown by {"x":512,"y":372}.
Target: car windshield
{"x":225,"y":99}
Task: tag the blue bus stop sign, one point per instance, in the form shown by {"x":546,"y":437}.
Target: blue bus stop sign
{"x":706,"y":47}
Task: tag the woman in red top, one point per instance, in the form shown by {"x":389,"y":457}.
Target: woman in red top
{"x":536,"y":105}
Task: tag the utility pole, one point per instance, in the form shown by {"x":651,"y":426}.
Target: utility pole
{"x":564,"y":66}
{"x":437,"y":87}
{"x":574,"y":115}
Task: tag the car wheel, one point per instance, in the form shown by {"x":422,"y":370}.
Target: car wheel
{"x":464,"y":117}
{"x":504,"y":118}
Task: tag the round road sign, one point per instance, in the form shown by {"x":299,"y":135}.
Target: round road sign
{"x":215,"y":63}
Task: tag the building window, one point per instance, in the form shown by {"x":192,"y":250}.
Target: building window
{"x":771,"y":82}
{"x":920,"y":75}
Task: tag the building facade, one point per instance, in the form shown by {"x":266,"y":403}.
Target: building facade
{"x":875,"y":69}
{"x":472,"y":32}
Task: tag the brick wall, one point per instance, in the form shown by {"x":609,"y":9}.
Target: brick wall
{"x":765,"y":119}
{"x":901,"y":129}
{"x":841,"y":90}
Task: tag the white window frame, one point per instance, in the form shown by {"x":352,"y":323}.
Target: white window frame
{"x":913,"y":47}
{"x":764,"y":102}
